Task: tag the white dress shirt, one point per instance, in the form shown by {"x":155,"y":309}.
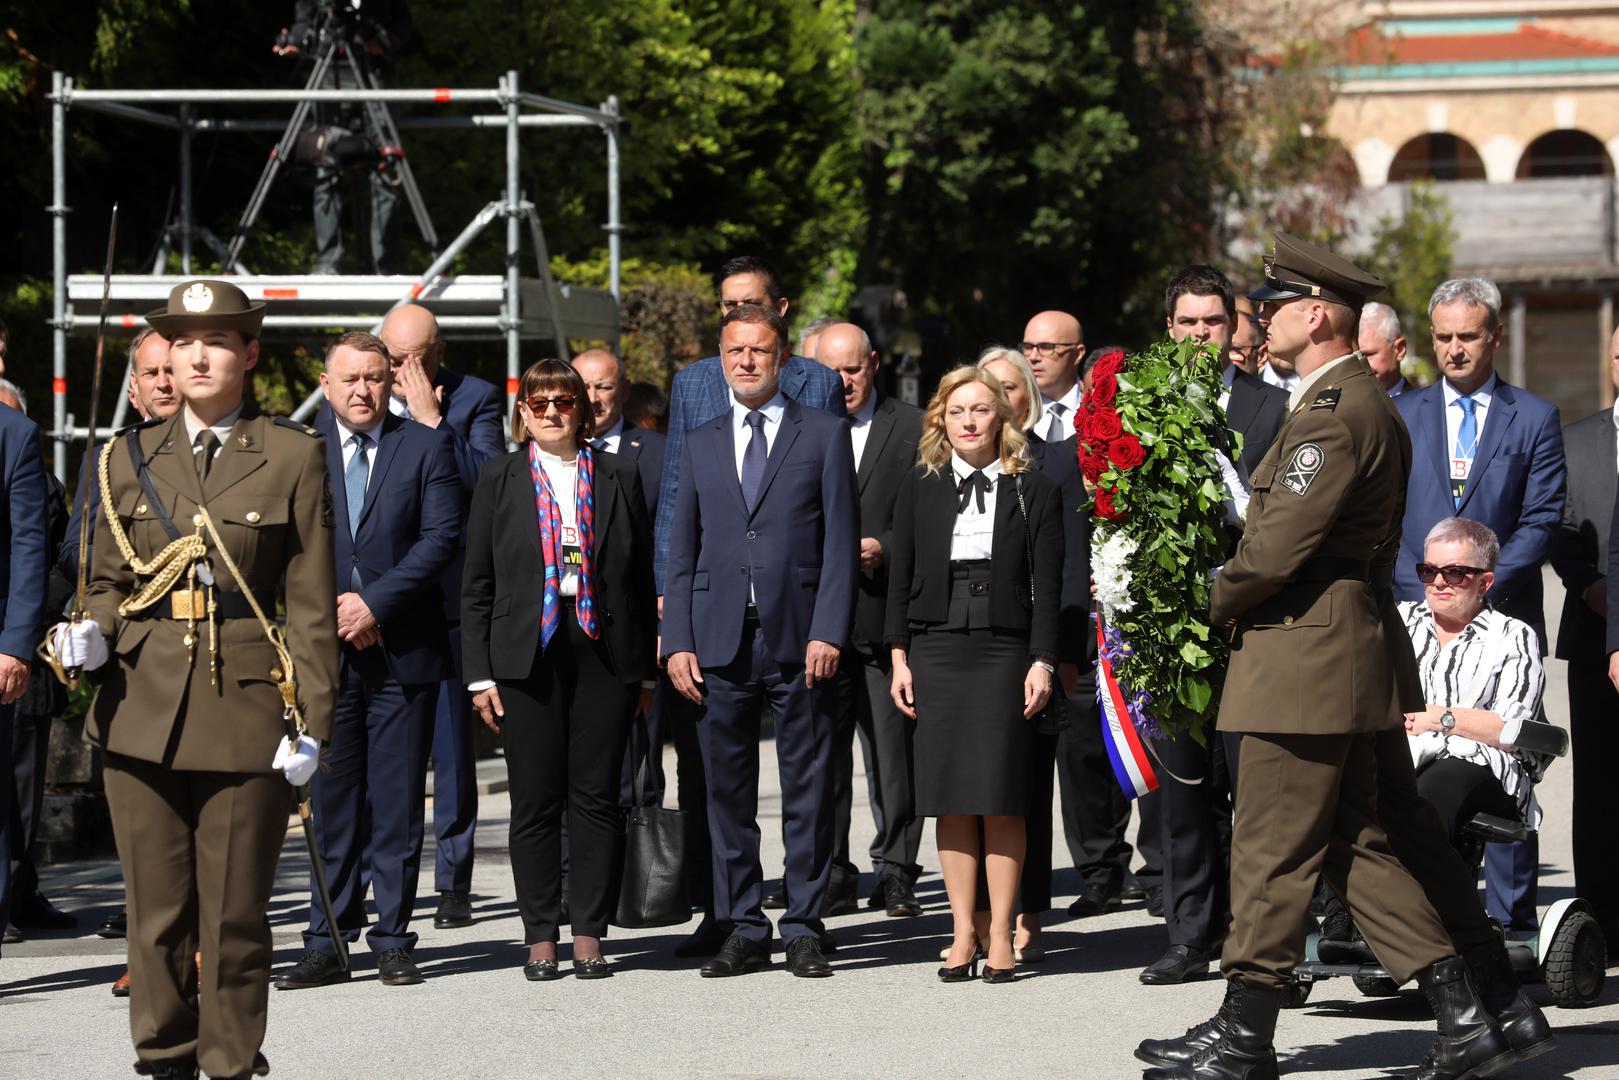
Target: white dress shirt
{"x":564,"y":477}
{"x":973,"y":536}
{"x":221,"y":429}
{"x":608,"y":440}
{"x":371,"y":433}
{"x":773,"y":410}
{"x":1616,"y":426}
{"x":1276,"y":378}
{"x":1227,"y":378}
{"x":1059,"y":427}
{"x":397,"y":406}
{"x":1453,"y":420}
{"x":860,"y":428}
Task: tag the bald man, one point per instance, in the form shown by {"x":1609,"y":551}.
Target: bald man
{"x":608,"y":385}
{"x":1054,"y":346}
{"x":425,"y":391}
{"x":884,"y":432}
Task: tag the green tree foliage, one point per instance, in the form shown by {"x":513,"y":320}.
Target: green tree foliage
{"x":1412,"y":254}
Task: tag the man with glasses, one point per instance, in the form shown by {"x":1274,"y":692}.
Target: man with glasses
{"x":1054,"y":345}
{"x":1493,"y":453}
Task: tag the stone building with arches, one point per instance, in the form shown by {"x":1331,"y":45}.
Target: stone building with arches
{"x":1512,"y":110}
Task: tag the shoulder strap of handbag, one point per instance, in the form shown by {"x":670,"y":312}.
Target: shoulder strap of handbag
{"x":1028,"y":541}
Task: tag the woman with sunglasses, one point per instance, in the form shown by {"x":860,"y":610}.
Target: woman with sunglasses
{"x":558,"y":621}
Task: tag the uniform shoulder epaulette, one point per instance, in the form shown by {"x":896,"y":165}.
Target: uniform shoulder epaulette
{"x":140,"y":424}
{"x":287,"y":422}
{"x":1327,"y":399}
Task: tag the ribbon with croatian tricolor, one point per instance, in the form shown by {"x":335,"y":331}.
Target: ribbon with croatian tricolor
{"x":1124,"y":749}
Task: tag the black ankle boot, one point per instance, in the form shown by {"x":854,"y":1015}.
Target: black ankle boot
{"x":1172,"y":1052}
{"x":1243,"y":1049}
{"x":1468,"y":1045}
{"x":1523,"y":1025}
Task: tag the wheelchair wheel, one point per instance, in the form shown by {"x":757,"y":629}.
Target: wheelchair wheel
{"x":1574,"y":963}
{"x":1376,"y":985}
{"x":1297,"y":994}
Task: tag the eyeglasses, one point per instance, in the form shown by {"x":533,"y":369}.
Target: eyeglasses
{"x":563,"y":402}
{"x":1045,"y":348}
{"x":1453,"y":575}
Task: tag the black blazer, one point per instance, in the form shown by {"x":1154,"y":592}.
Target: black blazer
{"x":919,"y":568}
{"x":1255,"y":410}
{"x":1060,"y":462}
{"x":645,"y":449}
{"x":890,"y":457}
{"x":503,"y":588}
{"x":1580,"y":549}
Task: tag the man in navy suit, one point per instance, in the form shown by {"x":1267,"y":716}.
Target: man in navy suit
{"x":1382,"y":343}
{"x":776,"y":498}
{"x":23,"y":538}
{"x":472,"y":411}
{"x":397,"y":509}
{"x":1488,"y":451}
{"x":700,"y":394}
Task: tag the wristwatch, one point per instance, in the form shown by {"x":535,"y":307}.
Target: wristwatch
{"x":1447,"y":721}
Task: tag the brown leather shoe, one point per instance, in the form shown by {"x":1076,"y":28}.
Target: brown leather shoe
{"x":121,"y":987}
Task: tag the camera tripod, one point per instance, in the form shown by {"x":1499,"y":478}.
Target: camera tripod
{"x":335,"y":46}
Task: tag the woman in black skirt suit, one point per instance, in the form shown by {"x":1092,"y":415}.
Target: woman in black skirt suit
{"x":974,"y":656}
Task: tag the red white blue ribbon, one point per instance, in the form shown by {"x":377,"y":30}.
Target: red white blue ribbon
{"x":1125,"y":751}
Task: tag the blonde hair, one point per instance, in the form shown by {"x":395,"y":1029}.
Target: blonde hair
{"x":1031,"y":385}
{"x":933,"y":450}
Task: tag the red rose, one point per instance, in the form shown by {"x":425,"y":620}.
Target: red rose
{"x":1103,"y":426}
{"x":1111,"y":362}
{"x":1104,"y":388}
{"x":1093,"y":466}
{"x":1105,"y":507}
{"x":1125,"y":452}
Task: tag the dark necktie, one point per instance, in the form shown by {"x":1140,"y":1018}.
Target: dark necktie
{"x":354,"y":478}
{"x":976,"y":482}
{"x":206,"y":446}
{"x":753,"y":459}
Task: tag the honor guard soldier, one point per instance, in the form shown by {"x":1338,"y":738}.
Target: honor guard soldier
{"x":204,"y":516}
{"x":1320,"y":677}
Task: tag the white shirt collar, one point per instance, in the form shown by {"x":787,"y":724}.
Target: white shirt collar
{"x":1069,"y":401}
{"x":220,"y":429}
{"x":1616,"y":414}
{"x":350,"y":431}
{"x":1481,"y":396}
{"x":616,"y":431}
{"x":772,"y":410}
{"x":867,"y":411}
{"x":548,"y":458}
{"x":1307,"y":384}
{"x":963,"y":470}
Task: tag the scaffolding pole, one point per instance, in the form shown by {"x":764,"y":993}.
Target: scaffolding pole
{"x":58,"y":211}
{"x":514,"y":295}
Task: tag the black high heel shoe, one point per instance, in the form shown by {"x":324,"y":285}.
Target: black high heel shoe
{"x":998,"y":975}
{"x":963,"y":972}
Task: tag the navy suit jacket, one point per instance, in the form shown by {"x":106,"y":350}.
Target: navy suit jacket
{"x":644,"y":448}
{"x":799,"y":549}
{"x":23,"y":537}
{"x":1517,"y":488}
{"x":409,"y":529}
{"x":1580,"y":554}
{"x":700,"y":394}
{"x":475,"y":414}
{"x":1060,"y":462}
{"x":1255,"y":410}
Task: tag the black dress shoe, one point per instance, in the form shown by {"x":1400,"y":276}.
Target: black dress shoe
{"x":1178,"y":963}
{"x":454,"y":909}
{"x":738,"y":956}
{"x":396,"y":968}
{"x":1340,"y":942}
{"x":1155,"y":901}
{"x":706,"y":940}
{"x":1097,"y":899}
{"x":38,"y":913}
{"x":592,"y":967}
{"x":901,"y":900}
{"x":1132,"y":889}
{"x":842,"y":896}
{"x":313,"y":969}
{"x":261,"y":1064}
{"x":776,"y":898}
{"x":541,"y":971}
{"x":804,"y":958}
{"x":116,"y":926}
{"x":167,"y":1070}
{"x":10,"y":936}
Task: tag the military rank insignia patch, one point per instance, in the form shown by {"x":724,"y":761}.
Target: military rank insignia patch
{"x":1327,"y":399}
{"x":1302,"y":468}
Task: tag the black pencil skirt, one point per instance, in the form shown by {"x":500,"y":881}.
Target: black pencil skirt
{"x":972,"y":741}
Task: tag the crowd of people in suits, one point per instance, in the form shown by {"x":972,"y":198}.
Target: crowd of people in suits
{"x":778,"y":536}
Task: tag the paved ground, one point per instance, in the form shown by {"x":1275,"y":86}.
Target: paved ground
{"x":884,"y":1013}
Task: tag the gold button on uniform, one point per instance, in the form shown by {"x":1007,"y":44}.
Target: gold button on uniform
{"x":141,"y":509}
{"x":1287,"y":620}
{"x":252,"y":517}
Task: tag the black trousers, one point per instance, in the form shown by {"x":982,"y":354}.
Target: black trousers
{"x":691,"y":793}
{"x":1593,"y":711}
{"x":30,"y":745}
{"x":892,"y":762}
{"x":564,"y":733}
{"x":1459,"y":789}
{"x":1095,"y":811}
{"x":1195,"y":832}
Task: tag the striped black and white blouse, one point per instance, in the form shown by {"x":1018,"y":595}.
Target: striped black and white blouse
{"x":1512,"y":690}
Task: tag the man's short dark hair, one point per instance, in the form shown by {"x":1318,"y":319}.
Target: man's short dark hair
{"x":761,"y":316}
{"x":749,"y":264}
{"x":647,"y":401}
{"x":361,"y":340}
{"x":1200,"y":280}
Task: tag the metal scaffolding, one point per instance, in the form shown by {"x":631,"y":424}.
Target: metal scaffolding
{"x":505,"y":306}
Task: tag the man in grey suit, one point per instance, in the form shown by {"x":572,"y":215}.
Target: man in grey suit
{"x":1580,"y":557}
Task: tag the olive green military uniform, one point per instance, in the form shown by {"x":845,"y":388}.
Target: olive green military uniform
{"x":199,"y":813}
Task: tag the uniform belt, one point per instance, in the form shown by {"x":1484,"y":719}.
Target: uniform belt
{"x":1326,"y":568}
{"x":193,"y":604}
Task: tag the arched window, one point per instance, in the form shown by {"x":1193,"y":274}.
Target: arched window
{"x":1436,"y":156}
{"x":1565,"y":153}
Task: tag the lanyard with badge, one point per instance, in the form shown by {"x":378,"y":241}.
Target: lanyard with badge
{"x":1462,"y":452}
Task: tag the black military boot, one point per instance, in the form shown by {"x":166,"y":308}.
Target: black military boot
{"x":1172,"y":1052}
{"x":1468,"y":1045}
{"x":1243,"y":1049}
{"x":1523,"y":1024}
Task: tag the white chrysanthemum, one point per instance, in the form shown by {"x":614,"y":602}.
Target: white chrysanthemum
{"x":1111,"y":551}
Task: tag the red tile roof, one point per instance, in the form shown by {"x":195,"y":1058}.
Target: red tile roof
{"x":1529,"y":42}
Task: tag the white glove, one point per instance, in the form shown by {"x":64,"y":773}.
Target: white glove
{"x":79,"y":645}
{"x":297,"y":760}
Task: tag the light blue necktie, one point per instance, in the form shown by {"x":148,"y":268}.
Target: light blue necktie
{"x":1466,"y":438}
{"x":354,"y":479}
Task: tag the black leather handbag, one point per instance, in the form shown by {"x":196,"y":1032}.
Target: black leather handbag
{"x":652,"y":890}
{"x":1053,"y":716}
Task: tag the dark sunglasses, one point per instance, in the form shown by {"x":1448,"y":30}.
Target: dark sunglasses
{"x":1453,"y":575}
{"x":564,"y":404}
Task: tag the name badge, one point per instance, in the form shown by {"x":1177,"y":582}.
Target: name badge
{"x":1460,"y":467}
{"x":571,"y":553}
